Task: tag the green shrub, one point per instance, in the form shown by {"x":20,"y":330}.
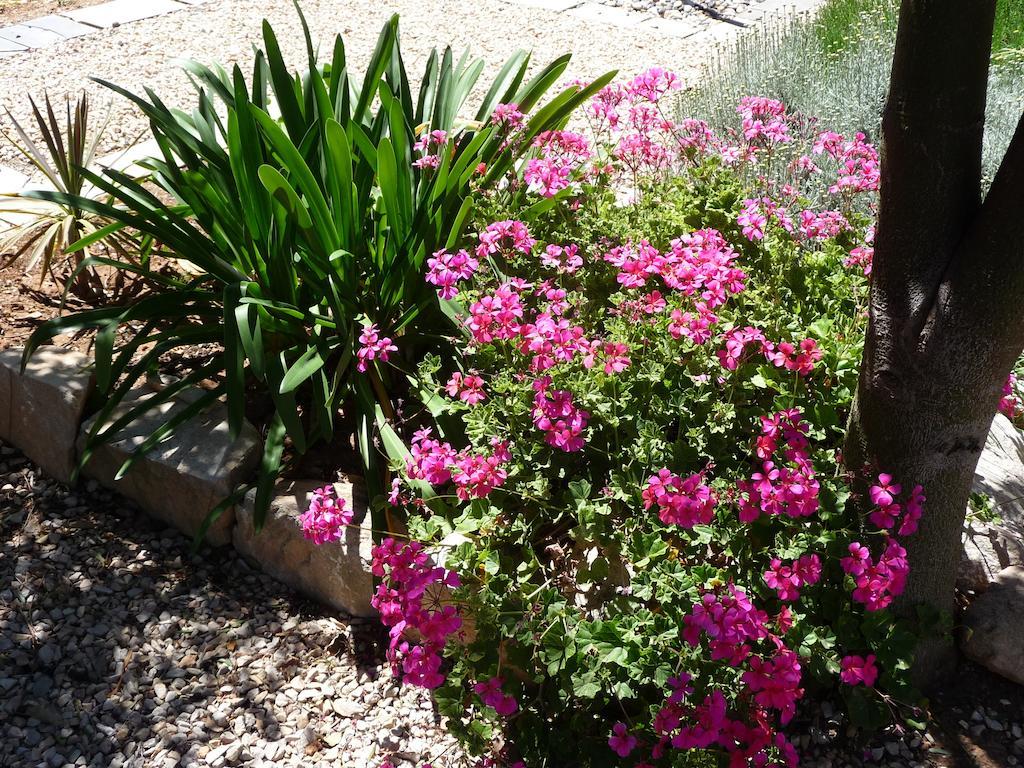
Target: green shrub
{"x":64,"y":156}
{"x":304,"y":223}
{"x":633,"y":540}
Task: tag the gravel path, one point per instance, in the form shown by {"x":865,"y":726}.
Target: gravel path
{"x":117,"y":648}
{"x":148,"y":52}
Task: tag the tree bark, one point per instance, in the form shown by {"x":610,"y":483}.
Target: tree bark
{"x":945,"y":325}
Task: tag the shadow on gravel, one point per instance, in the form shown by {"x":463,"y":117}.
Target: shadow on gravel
{"x":118,"y":648}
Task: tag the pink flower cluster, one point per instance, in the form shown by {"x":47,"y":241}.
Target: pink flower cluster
{"x":492,"y":695}
{"x":1010,"y":404}
{"x":473,"y":475}
{"x":408,"y":600}
{"x":877,"y":583}
{"x":429,"y":144}
{"x":730,"y":621}
{"x":469,"y":387}
{"x":373,"y":347}
{"x":775,"y":682}
{"x":565,"y":259}
{"x":787,"y":580}
{"x":562,"y":154}
{"x":505,"y":237}
{"x":507,"y":115}
{"x":859,"y":168}
{"x":326,"y":517}
{"x":446,"y":269}
{"x":863,"y":255}
{"x":785,"y":355}
{"x":550,"y":340}
{"x":781,"y":490}
{"x":887,"y":510}
{"x":683,"y":502}
{"x":782,"y":355}
{"x":557,"y":417}
{"x":622,"y":741}
{"x":765,"y":121}
{"x":496,"y":316}
{"x":708,"y":724}
{"x":700,"y":263}
{"x":614,"y":356}
{"x":857,"y":670}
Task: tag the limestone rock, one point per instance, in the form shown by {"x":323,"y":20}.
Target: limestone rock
{"x":991,"y":547}
{"x":336,"y":573}
{"x":988,"y":549}
{"x":41,"y":409}
{"x":992,"y":635}
{"x":185,"y":476}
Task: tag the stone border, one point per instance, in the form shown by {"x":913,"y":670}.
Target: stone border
{"x":185,"y":477}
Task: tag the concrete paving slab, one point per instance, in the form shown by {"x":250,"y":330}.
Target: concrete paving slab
{"x":595,"y":13}
{"x":118,"y":12}
{"x":66,"y":28}
{"x":551,"y":5}
{"x":30,"y":37}
{"x":11,"y":180}
{"x":673,"y":27}
{"x":9,"y":46}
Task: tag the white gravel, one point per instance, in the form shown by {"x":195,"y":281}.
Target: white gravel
{"x":147,"y":52}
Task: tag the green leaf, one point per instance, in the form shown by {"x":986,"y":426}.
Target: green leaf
{"x":309,"y":363}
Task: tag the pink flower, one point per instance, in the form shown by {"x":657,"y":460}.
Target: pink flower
{"x":730,"y":621}
{"x":621,"y":741}
{"x":775,"y":682}
{"x":914,"y":510}
{"x":565,"y":259}
{"x":859,"y":671}
{"x":474,"y":475}
{"x":496,"y":316}
{"x":787,"y":579}
{"x":653,"y":84}
{"x":785,"y":355}
{"x":616,"y":359}
{"x":505,"y":237}
{"x":492,"y":696}
{"x":326,"y":517}
{"x":884,"y":493}
{"x":373,"y":347}
{"x":546,"y":177}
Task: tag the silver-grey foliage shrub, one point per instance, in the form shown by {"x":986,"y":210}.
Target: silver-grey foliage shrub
{"x":845,"y":89}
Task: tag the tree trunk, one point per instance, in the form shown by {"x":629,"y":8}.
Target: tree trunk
{"x":945,"y":325}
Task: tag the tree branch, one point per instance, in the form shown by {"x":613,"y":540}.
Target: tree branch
{"x":980,"y":301}
{"x":932,"y":131}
